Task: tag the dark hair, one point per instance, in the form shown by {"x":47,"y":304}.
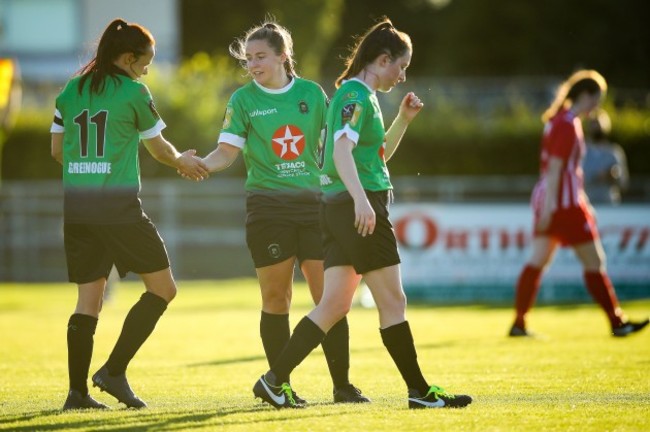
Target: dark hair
{"x":278,"y":38}
{"x":118,"y":38}
{"x":382,"y":38}
{"x":582,"y":81}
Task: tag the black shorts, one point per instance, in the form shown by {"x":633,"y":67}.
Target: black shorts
{"x":92,"y":250}
{"x":344,"y":246}
{"x":272,"y":240}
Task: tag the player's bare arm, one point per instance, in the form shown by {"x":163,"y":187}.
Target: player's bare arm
{"x":57,"y":147}
{"x":221,"y":157}
{"x":187,"y":163}
{"x":409,"y":108}
{"x":364,"y":215}
{"x":552,"y":187}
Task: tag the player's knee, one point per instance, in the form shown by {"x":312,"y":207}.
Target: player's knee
{"x":397,"y":302}
{"x":171,"y":293}
{"x":338,"y":310}
{"x":166,"y":292}
{"x":276,"y":301}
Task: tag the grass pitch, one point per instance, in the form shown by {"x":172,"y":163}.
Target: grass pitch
{"x":198,"y":368}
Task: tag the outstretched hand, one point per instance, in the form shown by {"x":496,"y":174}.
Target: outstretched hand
{"x":192,"y":167}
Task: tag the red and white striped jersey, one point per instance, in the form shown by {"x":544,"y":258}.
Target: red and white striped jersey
{"x":563,"y":138}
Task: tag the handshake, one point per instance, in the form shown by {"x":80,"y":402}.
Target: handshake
{"x":191,"y":167}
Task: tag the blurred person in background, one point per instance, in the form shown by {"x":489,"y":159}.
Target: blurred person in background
{"x":10,"y":92}
{"x":101,"y":116}
{"x":563,"y":215}
{"x":605,"y":165}
{"x":10,"y":98}
{"x":277,"y":121}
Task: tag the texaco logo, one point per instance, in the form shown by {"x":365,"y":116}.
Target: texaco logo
{"x":288,"y":142}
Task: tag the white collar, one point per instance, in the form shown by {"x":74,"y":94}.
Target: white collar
{"x":276,"y":91}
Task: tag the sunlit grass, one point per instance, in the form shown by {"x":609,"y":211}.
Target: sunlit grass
{"x":197,"y":370}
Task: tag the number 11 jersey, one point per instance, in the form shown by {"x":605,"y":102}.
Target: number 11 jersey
{"x":102,"y":131}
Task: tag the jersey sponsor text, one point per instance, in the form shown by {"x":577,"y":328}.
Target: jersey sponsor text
{"x":89,"y":167}
{"x":262,"y":113}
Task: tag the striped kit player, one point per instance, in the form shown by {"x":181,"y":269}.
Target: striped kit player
{"x":563,"y":215}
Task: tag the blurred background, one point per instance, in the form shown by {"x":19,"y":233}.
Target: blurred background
{"x":484,"y":69}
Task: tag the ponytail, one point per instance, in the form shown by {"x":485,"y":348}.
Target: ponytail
{"x":118,"y":38}
{"x":382,"y":38}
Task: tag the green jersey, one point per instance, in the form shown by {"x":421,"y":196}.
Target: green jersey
{"x":355,"y":113}
{"x":280,"y":134}
{"x":101,"y":135}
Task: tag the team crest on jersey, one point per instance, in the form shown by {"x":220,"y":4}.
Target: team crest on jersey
{"x":303,"y":107}
{"x":274,"y":250}
{"x":350,"y":114}
{"x":227,"y":117}
{"x":288,"y":142}
{"x":152,"y":107}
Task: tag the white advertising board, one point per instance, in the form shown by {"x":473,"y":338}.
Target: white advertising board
{"x":472,"y":248}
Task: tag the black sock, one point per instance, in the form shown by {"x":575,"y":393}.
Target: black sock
{"x":275,"y":333}
{"x":398,"y":340}
{"x":306,"y":336}
{"x":81,"y":329}
{"x":336,"y":347}
{"x":138,"y":325}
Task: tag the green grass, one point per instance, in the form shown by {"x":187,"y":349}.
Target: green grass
{"x":197,"y":370}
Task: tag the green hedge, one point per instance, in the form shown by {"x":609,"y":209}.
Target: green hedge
{"x":444,"y":140}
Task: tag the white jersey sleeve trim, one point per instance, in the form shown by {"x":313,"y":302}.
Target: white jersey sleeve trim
{"x":351,"y":134}
{"x":57,"y":128}
{"x":154,"y":131}
{"x":232,"y":139}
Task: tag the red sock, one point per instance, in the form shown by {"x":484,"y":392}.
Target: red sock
{"x":602,"y":290}
{"x":527,"y":289}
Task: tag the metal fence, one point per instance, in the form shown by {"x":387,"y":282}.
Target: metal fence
{"x":202,"y":223}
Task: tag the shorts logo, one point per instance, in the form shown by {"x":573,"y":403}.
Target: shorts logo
{"x":288,"y":142}
{"x":274,"y":250}
{"x":303,"y":107}
{"x":227,"y":117}
{"x":350,"y":114}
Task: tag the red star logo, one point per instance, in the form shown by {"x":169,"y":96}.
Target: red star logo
{"x":288,"y":142}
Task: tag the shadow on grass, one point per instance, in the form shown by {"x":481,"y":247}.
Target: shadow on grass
{"x":318,"y":352}
{"x":224,"y":362}
{"x":149,"y":420}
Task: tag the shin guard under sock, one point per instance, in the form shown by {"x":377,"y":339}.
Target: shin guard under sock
{"x":138,"y":325}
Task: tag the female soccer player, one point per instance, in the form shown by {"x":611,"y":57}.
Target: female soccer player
{"x":101,"y":115}
{"x":276,"y":121}
{"x":562,"y":212}
{"x":358,"y":237}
